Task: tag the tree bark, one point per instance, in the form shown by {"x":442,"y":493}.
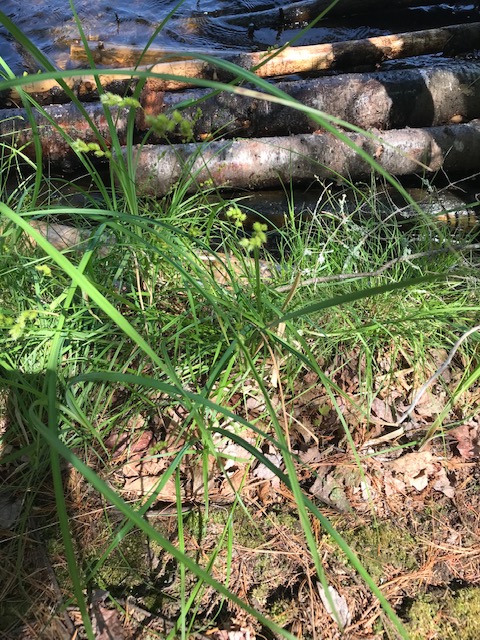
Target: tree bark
{"x":306,"y":59}
{"x":118,"y":56}
{"x":311,"y":59}
{"x":383,"y":100}
{"x":271,"y":162}
{"x":83,"y":88}
{"x":65,"y":237}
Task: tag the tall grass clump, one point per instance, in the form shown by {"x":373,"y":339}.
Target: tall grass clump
{"x":159,"y":359}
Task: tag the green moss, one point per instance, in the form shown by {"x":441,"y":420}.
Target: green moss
{"x":259,"y":595}
{"x":247,"y":532}
{"x":286,"y":520}
{"x":446,"y":615}
{"x":267,"y":572}
{"x":126,"y":566}
{"x":283,"y":612}
{"x":385,"y":547}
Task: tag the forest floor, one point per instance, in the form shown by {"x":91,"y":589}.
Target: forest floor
{"x":411,"y":514}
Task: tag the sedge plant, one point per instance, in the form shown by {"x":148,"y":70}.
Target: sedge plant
{"x":100,"y":343}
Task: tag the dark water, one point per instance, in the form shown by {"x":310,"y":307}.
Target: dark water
{"x":197,"y":24}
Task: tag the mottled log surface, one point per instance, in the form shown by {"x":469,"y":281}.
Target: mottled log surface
{"x":269,"y":162}
{"x":383,"y":100}
{"x":304,"y":59}
{"x":292,"y":60}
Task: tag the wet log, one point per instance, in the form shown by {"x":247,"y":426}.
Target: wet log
{"x":311,"y":59}
{"x":382,"y":100}
{"x":304,"y":11}
{"x":83,"y":87}
{"x":16,"y":132}
{"x":270,"y":162}
{"x":307,"y":59}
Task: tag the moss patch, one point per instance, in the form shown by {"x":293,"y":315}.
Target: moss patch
{"x":384,"y":550}
{"x":447,"y":615}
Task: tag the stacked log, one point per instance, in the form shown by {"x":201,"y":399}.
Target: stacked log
{"x":378,"y":101}
{"x":265,"y":162}
{"x":415,"y":116}
{"x":306,"y":59}
{"x":177,"y":71}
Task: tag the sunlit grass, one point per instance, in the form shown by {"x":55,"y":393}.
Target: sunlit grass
{"x":174,"y":325}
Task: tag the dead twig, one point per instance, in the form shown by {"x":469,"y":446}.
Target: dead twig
{"x":377,"y":272}
{"x":401,"y":430}
{"x":437,"y":374}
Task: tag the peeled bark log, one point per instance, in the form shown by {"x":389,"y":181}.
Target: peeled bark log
{"x":383,"y":100}
{"x":83,"y":87}
{"x":268,"y":162}
{"x":118,"y":56}
{"x":313,"y":58}
{"x":65,"y":237}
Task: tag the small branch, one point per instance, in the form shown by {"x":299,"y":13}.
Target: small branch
{"x":401,"y":430}
{"x":377,"y":272}
{"x":437,"y":373}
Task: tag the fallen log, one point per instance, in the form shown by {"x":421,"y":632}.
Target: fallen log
{"x":117,"y":56}
{"x":82,"y":87}
{"x":443,"y":207}
{"x":382,"y":100}
{"x":269,"y":162}
{"x":306,"y":59}
{"x":311,"y":59}
{"x":303,"y":12}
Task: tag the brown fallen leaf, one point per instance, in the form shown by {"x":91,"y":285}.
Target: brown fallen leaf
{"x":117,"y":443}
{"x":142,"y":486}
{"x":413,"y":464}
{"x":381,"y":409}
{"x":430,"y":404}
{"x":393,"y":485}
{"x":468,"y":440}
{"x":107,"y":624}
{"x":146,"y":466}
{"x":418,"y":468}
{"x":442,"y":484}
